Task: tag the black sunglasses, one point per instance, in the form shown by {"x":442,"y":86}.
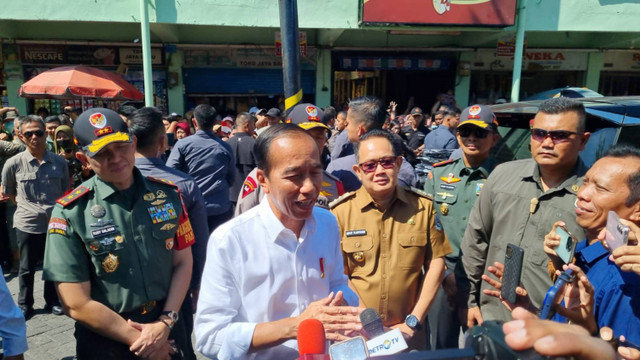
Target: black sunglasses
{"x":480,"y":133}
{"x":29,"y":134}
{"x":556,"y":136}
{"x":386,"y":162}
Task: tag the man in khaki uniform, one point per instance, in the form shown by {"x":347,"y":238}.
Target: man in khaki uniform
{"x":389,"y":235}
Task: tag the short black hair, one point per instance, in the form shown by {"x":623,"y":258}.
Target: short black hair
{"x":52,"y":118}
{"x":127,"y":110}
{"x":205,"y":116}
{"x":146,"y":124}
{"x":43,"y":110}
{"x":395,"y":142}
{"x":564,"y":104}
{"x":267,"y":137}
{"x":368,"y":111}
{"x":329,"y":113}
{"x":623,"y":151}
{"x":23,"y":120}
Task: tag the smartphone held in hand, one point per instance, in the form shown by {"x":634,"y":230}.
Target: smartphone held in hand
{"x":616,"y":234}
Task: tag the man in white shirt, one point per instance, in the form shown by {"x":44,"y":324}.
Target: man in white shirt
{"x":276,"y":264}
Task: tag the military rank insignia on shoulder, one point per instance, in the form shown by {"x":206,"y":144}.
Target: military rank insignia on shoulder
{"x":419,"y":192}
{"x":341,"y":199}
{"x":73,"y":196}
{"x":441,"y":163}
{"x":162,"y":181}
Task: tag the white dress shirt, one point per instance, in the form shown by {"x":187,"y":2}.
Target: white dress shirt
{"x":258,"y":271}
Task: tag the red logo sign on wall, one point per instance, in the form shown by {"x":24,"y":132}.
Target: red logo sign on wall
{"x":450,"y":12}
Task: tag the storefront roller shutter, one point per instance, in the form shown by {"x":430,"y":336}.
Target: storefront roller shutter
{"x":241,"y":81}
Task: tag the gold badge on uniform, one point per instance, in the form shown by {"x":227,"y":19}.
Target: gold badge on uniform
{"x":119,"y":239}
{"x":110,"y":263}
{"x":161,"y":194}
{"x":169,"y":243}
{"x":411,"y":221}
{"x":149,"y":196}
{"x":168,"y":226}
{"x":575,"y":187}
{"x":158,"y":202}
{"x":358,"y":256}
{"x":444,"y":209}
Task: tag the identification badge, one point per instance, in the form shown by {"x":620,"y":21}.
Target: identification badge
{"x":447,"y":187}
{"x":351,"y":233}
{"x":104,"y":231}
{"x":479,"y":188}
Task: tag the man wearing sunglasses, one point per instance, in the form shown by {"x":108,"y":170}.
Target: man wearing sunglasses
{"x":34,"y":179}
{"x":389,"y":235}
{"x":519,"y":203}
{"x":455,"y":185}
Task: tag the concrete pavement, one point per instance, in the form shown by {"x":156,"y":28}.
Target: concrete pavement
{"x":49,"y":336}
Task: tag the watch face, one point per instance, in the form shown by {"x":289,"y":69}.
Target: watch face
{"x":411,"y":321}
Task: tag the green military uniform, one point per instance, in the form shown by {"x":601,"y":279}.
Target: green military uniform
{"x":120,"y":241}
{"x":455,"y":188}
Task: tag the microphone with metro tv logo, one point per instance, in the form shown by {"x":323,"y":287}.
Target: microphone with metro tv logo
{"x":312,"y":344}
{"x":381,"y":343}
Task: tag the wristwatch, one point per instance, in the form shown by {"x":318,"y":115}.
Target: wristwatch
{"x":413,"y":323}
{"x":173,"y":316}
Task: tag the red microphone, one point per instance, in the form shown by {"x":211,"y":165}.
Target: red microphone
{"x":311,"y":341}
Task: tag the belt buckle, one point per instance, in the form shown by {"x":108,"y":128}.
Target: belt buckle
{"x":147,"y":307}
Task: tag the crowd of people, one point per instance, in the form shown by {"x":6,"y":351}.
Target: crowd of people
{"x":257,"y":222}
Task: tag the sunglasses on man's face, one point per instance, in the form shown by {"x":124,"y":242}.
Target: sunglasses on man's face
{"x":386,"y":162}
{"x":37,"y":133}
{"x":480,"y":133}
{"x":557,"y":136}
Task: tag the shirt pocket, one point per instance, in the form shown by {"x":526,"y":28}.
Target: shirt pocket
{"x":360,"y":254}
{"x":412,"y":250}
{"x":29,"y":184}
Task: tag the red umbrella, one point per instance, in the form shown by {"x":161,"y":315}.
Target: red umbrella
{"x":72,"y":82}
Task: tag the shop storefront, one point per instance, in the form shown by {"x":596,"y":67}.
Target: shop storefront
{"x":620,"y":73}
{"x":234,"y":79}
{"x":36,"y":58}
{"x":393,"y":76}
{"x":491,"y":74}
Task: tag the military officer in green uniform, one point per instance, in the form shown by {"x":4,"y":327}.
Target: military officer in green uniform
{"x":118,"y":248}
{"x":455,"y":185}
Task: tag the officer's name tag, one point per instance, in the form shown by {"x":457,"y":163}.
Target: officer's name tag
{"x":447,"y":187}
{"x":350,"y":233}
{"x":108,"y":230}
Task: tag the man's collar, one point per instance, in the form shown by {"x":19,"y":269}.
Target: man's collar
{"x":591,"y":253}
{"x":364,"y":199}
{"x":273,"y":225}
{"x":532,"y":172}
{"x":149,"y":161}
{"x":106,"y":189}
{"x":46,"y":157}
{"x":485,"y":167}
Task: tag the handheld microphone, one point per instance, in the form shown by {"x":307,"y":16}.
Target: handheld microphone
{"x":311,"y":340}
{"x":381,"y":343}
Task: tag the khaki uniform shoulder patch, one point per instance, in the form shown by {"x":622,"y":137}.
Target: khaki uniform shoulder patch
{"x":73,"y":196}
{"x":419,"y":192}
{"x":341,"y":199}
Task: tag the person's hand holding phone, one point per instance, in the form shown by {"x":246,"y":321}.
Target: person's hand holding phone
{"x":627,"y":258}
{"x":551,"y":242}
{"x":578,"y":300}
{"x":522,"y":301}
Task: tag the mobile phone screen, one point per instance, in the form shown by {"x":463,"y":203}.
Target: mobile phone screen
{"x":616,"y":233}
{"x":567,"y":245}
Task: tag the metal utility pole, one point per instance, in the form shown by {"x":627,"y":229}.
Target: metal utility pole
{"x":146,"y":53}
{"x":290,"y":52}
{"x":519,"y":51}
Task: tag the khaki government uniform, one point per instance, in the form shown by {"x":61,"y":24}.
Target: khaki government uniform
{"x":385,"y":252}
{"x":120,"y":241}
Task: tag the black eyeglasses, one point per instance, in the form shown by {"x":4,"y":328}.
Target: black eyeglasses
{"x":29,"y":134}
{"x":557,"y":136}
{"x":386,"y":162}
{"x":480,"y":133}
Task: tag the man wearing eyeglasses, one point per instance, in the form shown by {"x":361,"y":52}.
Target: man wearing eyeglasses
{"x":455,"y":185}
{"x":519,"y":203}
{"x":34,"y":179}
{"x":389,"y":235}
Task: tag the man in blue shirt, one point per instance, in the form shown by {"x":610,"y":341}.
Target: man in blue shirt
{"x":444,"y":136}
{"x":13,"y":329}
{"x":612,"y":184}
{"x":211,"y":163}
{"x":146,"y":124}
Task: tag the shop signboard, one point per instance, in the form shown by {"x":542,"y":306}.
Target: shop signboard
{"x":362,"y":63}
{"x":67,"y":54}
{"x":247,"y":57}
{"x":621,"y":61}
{"x":440,"y":12}
{"x":133,"y":55}
{"x":532,"y":60}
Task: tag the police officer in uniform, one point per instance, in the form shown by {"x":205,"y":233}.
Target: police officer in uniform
{"x":455,"y":185}
{"x":309,"y":117}
{"x":389,"y":236}
{"x":118,"y":248}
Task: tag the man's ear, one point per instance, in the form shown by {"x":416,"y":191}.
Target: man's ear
{"x":358,"y":171}
{"x":399,"y":161}
{"x":263,"y":181}
{"x":584,"y":140}
{"x":82,"y":157}
{"x":361,"y":130}
{"x":195,"y":123}
{"x":635,"y":213}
